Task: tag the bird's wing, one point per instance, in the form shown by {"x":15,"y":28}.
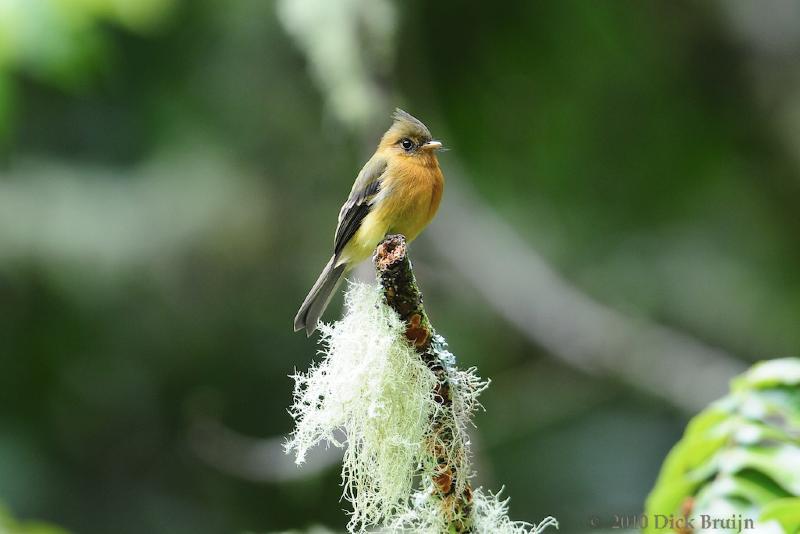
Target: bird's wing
{"x":359,"y":203}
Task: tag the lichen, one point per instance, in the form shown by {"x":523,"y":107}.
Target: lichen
{"x":371,"y":387}
{"x":406,"y":442}
{"x":423,"y":516}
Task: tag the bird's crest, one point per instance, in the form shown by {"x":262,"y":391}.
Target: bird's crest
{"x":406,"y":124}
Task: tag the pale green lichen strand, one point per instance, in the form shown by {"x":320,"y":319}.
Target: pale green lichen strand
{"x":370,"y":385}
{"x":422,"y":516}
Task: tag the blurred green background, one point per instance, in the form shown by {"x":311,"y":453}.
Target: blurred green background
{"x":171,"y":175}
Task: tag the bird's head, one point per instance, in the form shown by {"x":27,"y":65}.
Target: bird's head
{"x":407,"y":136}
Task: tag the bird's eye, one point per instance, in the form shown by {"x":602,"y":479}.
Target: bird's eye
{"x":407,"y":144}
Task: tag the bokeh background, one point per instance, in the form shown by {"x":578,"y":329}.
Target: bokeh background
{"x":620,"y":235}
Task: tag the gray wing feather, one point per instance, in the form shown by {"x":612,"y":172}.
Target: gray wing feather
{"x":359,"y":203}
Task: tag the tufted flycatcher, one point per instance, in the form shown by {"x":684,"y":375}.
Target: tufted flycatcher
{"x":397,"y":192}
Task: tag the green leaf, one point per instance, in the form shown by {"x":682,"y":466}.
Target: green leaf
{"x":9,"y":525}
{"x":741,"y":455}
{"x":781,"y":463}
{"x":769,"y":374}
{"x":784,"y":511}
{"x":750,"y":486}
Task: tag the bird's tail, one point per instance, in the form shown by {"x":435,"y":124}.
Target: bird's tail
{"x":319,"y":297}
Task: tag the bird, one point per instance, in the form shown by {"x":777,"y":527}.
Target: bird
{"x":398,"y":191}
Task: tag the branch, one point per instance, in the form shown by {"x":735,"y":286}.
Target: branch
{"x":254,"y":459}
{"x":446,"y":448}
{"x":550,"y":312}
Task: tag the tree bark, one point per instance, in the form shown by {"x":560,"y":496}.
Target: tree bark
{"x":448,"y":470}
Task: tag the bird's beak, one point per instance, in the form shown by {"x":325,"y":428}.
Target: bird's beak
{"x":432,"y":145}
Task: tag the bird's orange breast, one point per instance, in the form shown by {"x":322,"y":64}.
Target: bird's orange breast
{"x":410,"y":193}
{"x":414,"y":190}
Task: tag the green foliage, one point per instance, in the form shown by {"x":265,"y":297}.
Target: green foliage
{"x":741,"y":455}
{"x":784,"y":511}
{"x":62,"y":42}
{"x":9,"y":525}
{"x":52,"y":37}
